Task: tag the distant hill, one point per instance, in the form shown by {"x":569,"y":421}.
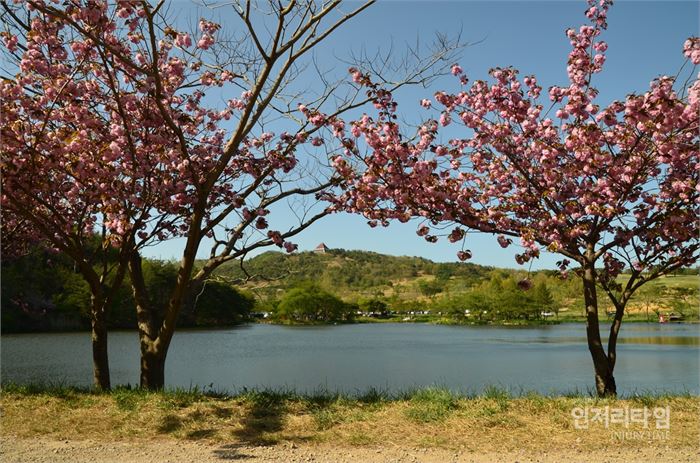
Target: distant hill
{"x":353,"y":273}
{"x":401,"y":280}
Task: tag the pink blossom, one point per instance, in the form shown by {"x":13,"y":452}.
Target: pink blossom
{"x":464,"y":255}
{"x":10,"y":41}
{"x":445,"y":119}
{"x":503,"y":241}
{"x":205,"y":42}
{"x":691,"y":49}
{"x":208,"y":27}
{"x":183,"y":40}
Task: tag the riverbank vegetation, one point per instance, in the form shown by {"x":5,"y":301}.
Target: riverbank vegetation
{"x":431,"y":417}
{"x":42,"y":292}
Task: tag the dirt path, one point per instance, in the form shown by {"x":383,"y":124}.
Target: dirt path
{"x":42,"y":450}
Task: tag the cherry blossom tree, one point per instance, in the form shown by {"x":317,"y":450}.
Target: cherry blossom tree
{"x":608,"y":187}
{"x":117,"y":122}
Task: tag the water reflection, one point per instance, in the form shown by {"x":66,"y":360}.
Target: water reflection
{"x":670,"y":340}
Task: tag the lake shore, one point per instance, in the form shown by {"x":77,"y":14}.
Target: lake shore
{"x":447,"y":321}
{"x":66,"y":424}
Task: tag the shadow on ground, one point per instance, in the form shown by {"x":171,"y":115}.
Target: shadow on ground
{"x":231,"y":452}
{"x":260,"y":424}
{"x":265,"y":416}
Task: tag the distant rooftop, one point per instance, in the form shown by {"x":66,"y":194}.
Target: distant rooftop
{"x":321,"y":248}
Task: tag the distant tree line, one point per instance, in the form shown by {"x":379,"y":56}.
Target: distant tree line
{"x":500,"y":299}
{"x":41,"y":291}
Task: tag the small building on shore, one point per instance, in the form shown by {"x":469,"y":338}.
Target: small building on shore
{"x":321,"y":248}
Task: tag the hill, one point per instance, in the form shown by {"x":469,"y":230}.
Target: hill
{"x":409,"y":283}
{"x":352,"y":274}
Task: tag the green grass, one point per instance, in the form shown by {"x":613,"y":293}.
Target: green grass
{"x":431,"y":404}
{"x":127,"y":397}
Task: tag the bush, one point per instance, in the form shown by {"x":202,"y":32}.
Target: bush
{"x":308,"y":302}
{"x":221,"y":304}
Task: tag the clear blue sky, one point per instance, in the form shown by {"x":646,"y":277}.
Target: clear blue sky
{"x":645,"y":40}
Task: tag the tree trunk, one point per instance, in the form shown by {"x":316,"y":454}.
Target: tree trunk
{"x":152,"y":366}
{"x":604,"y":380}
{"x":100,"y":356}
{"x":152,"y":356}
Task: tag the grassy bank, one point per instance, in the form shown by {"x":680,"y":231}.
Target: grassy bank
{"x":430,"y":417}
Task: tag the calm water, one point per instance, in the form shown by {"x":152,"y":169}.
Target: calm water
{"x":352,"y":358}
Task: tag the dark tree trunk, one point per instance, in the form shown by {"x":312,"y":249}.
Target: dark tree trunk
{"x":100,"y":356}
{"x":615,"y":327}
{"x":155,"y":330}
{"x":604,"y":380}
{"x":152,"y":367}
{"x":153,"y":352}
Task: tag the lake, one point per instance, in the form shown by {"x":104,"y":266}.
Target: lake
{"x":389,"y":356}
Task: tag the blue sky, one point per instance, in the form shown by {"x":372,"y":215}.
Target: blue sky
{"x":645,"y":40}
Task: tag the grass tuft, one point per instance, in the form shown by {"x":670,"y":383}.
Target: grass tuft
{"x":373,"y":396}
{"x":128,"y":399}
{"x":500,"y":395}
{"x":431,"y":404}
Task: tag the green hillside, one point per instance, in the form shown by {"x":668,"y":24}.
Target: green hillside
{"x":348,"y":272}
{"x":354,"y":273}
{"x":414,"y":283}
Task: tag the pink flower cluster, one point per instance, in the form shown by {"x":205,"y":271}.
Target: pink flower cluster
{"x":624,"y":176}
{"x":93,"y":137}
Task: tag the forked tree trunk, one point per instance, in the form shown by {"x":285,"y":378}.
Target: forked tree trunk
{"x":155,"y":329}
{"x":604,"y":379}
{"x":100,"y":356}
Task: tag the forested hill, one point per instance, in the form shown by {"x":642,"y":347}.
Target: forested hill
{"x":350,"y":272}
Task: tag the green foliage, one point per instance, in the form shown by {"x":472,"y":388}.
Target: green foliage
{"x":308,"y":302}
{"x":74,"y":292}
{"x":498,"y":299}
{"x":221,"y":304}
{"x":431,"y":404}
{"x":160,"y":277}
{"x":444,"y":272}
{"x":43,"y":292}
{"x":431,"y":287}
{"x":542,"y":298}
{"x":374,"y":306}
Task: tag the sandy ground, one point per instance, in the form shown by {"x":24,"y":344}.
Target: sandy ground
{"x":42,"y":450}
